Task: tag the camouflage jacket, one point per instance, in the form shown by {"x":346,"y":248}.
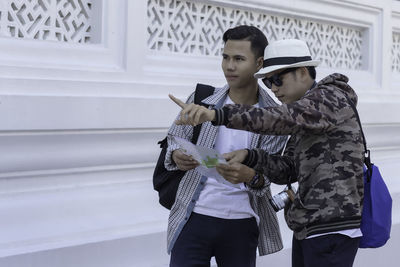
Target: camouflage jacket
{"x":324,"y":154}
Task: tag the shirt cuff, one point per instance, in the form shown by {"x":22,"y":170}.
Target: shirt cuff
{"x":169,"y":163}
{"x":221,"y":116}
{"x":251,"y":158}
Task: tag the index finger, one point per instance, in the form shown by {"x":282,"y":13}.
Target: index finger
{"x":177,"y":101}
{"x":181,"y":155}
{"x":228,"y":156}
{"x":223,"y":166}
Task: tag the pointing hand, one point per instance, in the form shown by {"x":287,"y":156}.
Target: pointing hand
{"x":192,"y":114}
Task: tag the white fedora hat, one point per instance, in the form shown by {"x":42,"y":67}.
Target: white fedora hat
{"x":283,"y":54}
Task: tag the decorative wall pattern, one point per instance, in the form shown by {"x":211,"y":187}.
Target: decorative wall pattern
{"x":192,"y":27}
{"x":50,"y":20}
{"x":396,"y":52}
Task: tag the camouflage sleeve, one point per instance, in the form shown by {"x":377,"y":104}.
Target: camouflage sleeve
{"x":278,"y":169}
{"x":275,"y":168}
{"x":313,"y":113}
{"x":271,"y":145}
{"x":182,"y":131}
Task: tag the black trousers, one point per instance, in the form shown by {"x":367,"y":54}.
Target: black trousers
{"x":333,"y":250}
{"x":232,"y":242}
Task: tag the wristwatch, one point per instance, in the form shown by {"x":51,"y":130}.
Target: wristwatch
{"x":255,"y":181}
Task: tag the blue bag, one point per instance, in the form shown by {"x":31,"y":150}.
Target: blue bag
{"x":376,"y":218}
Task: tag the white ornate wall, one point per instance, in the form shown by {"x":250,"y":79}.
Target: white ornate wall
{"x":83,"y":101}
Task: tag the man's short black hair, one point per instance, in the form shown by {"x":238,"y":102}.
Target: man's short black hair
{"x":249,"y":33}
{"x":312,"y":72}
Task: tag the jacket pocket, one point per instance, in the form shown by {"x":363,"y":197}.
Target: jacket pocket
{"x":298,"y":202}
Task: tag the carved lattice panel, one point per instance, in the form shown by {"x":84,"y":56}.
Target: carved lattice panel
{"x":192,"y":27}
{"x":396,"y":52}
{"x":50,"y":20}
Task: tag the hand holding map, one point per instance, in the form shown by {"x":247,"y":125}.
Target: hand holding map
{"x":208,"y":159}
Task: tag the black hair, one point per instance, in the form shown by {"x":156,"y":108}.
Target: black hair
{"x":312,"y":72}
{"x":249,"y":33}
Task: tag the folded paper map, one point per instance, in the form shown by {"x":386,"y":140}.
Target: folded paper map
{"x":207,"y":157}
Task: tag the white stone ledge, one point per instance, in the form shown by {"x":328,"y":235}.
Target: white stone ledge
{"x":77,"y":150}
{"x":32,"y":113}
{"x":66,"y":179}
{"x":61,"y":218}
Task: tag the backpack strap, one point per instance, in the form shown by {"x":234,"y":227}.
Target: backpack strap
{"x":367,"y":152}
{"x":202,"y":91}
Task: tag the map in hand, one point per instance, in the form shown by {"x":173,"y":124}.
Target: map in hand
{"x":207,"y":157}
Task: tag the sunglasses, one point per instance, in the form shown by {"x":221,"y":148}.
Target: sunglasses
{"x":276,"y":78}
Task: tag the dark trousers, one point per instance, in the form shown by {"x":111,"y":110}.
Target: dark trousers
{"x":333,"y":250}
{"x":232,"y":242}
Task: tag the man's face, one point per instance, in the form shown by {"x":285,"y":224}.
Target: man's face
{"x":239,"y":63}
{"x":291,"y":87}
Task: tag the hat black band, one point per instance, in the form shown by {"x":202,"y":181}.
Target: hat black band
{"x":284,"y":60}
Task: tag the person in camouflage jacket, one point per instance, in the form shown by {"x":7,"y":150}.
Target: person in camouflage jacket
{"x":324,"y":153}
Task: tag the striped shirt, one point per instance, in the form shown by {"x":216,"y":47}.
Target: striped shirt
{"x":192,"y":182}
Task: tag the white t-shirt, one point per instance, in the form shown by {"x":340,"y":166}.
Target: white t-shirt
{"x":352,"y":233}
{"x":222,"y":200}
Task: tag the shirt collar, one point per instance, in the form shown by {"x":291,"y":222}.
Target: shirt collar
{"x":218,"y":98}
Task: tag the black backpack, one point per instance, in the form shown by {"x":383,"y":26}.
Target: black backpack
{"x":167,"y":182}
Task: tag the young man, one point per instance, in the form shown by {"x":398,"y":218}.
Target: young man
{"x":211,"y":217}
{"x":324,"y":153}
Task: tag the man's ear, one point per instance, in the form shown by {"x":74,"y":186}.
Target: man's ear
{"x":260,"y":63}
{"x":303,"y":72}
